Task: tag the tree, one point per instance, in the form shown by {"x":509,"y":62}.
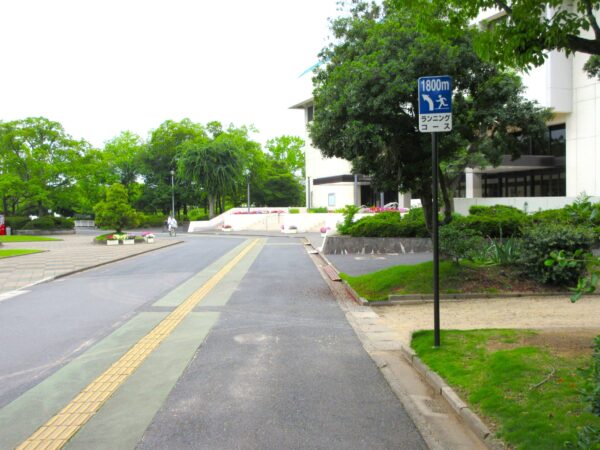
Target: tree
{"x":213,"y":166}
{"x":39,"y":163}
{"x":115,"y":212}
{"x":278,"y":187}
{"x":528,"y":29}
{"x":121,"y":157}
{"x":366,"y":104}
{"x":288,"y":150}
{"x":159,"y":157}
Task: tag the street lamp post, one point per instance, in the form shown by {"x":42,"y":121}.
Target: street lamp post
{"x":247,"y":173}
{"x":172,"y":194}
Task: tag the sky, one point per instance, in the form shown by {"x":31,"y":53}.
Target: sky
{"x":102,"y":67}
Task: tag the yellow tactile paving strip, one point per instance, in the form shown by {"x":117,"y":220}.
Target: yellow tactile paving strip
{"x":55,"y":433}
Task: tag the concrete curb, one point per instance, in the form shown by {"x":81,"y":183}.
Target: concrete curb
{"x":439,"y":386}
{"x":453,"y":400}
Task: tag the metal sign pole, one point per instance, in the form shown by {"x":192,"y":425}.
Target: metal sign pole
{"x":435,"y":116}
{"x":435,"y":230}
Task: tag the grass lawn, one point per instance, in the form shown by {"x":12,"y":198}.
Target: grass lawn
{"x":497,"y":371}
{"x":16,"y":252}
{"x":26,"y":239}
{"x":454,"y":279}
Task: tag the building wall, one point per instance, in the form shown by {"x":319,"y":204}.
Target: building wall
{"x":343,"y":194}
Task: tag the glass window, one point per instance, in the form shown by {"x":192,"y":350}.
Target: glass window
{"x":310,"y":111}
{"x":331,"y":200}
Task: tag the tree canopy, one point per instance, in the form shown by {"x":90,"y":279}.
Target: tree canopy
{"x":524,"y":30}
{"x":366,"y":103}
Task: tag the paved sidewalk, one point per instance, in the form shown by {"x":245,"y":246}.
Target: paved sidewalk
{"x":73,"y":253}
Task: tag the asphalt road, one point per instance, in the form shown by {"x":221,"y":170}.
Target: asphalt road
{"x":265,"y":360}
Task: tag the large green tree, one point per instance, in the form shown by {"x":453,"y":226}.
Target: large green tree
{"x":524,"y":30}
{"x":289,"y":151}
{"x":159,"y":157}
{"x":214,"y":166}
{"x":39,"y":162}
{"x":366,"y":103}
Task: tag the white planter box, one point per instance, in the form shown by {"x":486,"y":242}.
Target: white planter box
{"x":150,"y":240}
{"x":227,"y":229}
{"x":128,"y":241}
{"x":112,"y":242}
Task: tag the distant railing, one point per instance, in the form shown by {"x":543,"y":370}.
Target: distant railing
{"x":85,"y":223}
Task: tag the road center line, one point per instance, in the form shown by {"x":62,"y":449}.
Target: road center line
{"x":55,"y":433}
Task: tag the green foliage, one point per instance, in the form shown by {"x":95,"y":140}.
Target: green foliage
{"x":503,"y":251}
{"x":320,"y":209}
{"x":457,"y":243}
{"x":16,"y":222}
{"x":390,"y":224}
{"x":497,"y":370}
{"x":525,"y":33}
{"x":494,"y":221}
{"x":583,"y":212}
{"x":366,"y":97}
{"x":150,"y":220}
{"x":50,"y":223}
{"x":540,"y":242}
{"x":294,"y":211}
{"x":349,"y":213}
{"x":551,"y":216}
{"x":197,"y":214}
{"x":288,"y":150}
{"x":115,"y":212}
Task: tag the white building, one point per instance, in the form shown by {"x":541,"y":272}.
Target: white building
{"x":546,"y":178}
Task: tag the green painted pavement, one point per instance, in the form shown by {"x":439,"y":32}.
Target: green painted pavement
{"x":221,"y":293}
{"x":183,"y":291}
{"x":121,"y":422}
{"x":20,"y":418}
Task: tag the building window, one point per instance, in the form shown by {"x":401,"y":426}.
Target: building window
{"x":309,"y":113}
{"x":529,"y":183}
{"x":331,"y":200}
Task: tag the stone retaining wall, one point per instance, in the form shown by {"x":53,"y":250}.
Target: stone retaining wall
{"x":336,"y":245}
{"x":41,"y":232}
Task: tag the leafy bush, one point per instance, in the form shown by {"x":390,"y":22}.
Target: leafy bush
{"x":321,"y":209}
{"x":115,"y":212}
{"x":197,"y":214}
{"x":349,"y":213}
{"x":583,"y":212}
{"x":150,"y":220}
{"x":379,"y":225}
{"x":390,"y":224}
{"x":494,"y":221}
{"x":294,"y":211}
{"x":551,"y":216}
{"x":539,"y":242}
{"x":50,"y":223}
{"x":458,"y":244}
{"x":16,"y":222}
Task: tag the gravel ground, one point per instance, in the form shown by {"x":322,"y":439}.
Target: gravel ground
{"x":524,"y":312}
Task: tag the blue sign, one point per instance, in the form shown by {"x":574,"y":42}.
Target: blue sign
{"x":435,"y":104}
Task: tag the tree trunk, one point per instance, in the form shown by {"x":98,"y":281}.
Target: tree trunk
{"x":211,"y":207}
{"x":41,"y":210}
{"x":446,"y":196}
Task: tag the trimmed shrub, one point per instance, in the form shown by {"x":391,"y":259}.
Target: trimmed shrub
{"x":378,"y":225}
{"x":390,"y":224}
{"x":16,"y":222}
{"x":50,"y":223}
{"x":349,"y":213}
{"x":457,"y":244}
{"x":321,"y":209}
{"x":294,"y":211}
{"x":551,"y":216}
{"x":150,"y":220}
{"x":539,"y":242}
{"x":494,"y":221}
